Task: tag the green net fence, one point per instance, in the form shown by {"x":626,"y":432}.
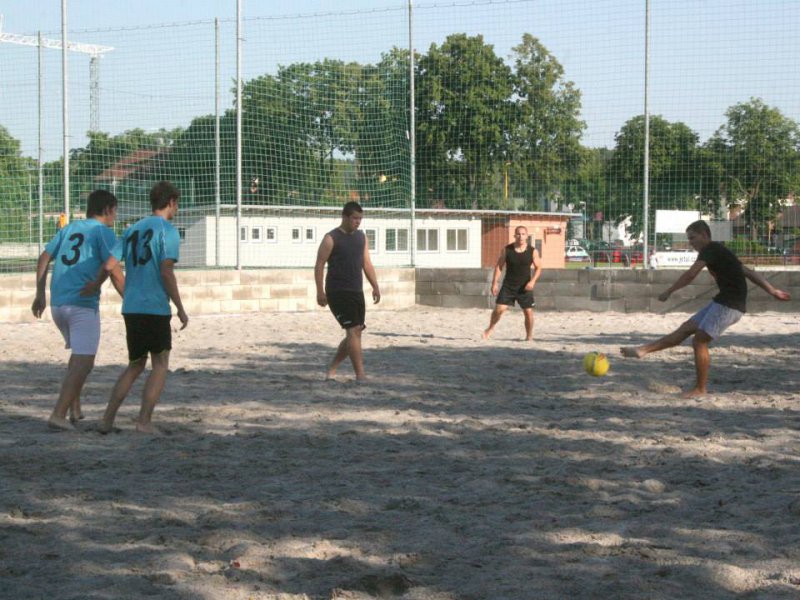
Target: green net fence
{"x":521,"y":106}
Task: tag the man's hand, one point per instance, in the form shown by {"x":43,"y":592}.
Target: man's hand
{"x":664,"y":296}
{"x":376,"y":295}
{"x":781,"y":295}
{"x":91,"y":288}
{"x":322,"y":299}
{"x":184,"y":319}
{"x":38,"y":306}
{"x":529,"y":286}
{"x":494,"y":289}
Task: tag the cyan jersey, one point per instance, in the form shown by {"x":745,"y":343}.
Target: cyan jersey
{"x":78,"y":251}
{"x":143,"y":247}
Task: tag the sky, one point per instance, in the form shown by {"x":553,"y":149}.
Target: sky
{"x":706,"y":55}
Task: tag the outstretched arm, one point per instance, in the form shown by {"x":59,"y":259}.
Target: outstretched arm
{"x":765,"y":285}
{"x":40,"y":302}
{"x":685,"y":279}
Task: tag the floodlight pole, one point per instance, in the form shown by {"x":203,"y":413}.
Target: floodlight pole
{"x":64,"y":111}
{"x":412,"y":134}
{"x":646,"y":200}
{"x":216,"y":139}
{"x":238,"y":133}
{"x":41,"y":147}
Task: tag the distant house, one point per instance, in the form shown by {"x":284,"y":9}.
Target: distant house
{"x":289,"y":236}
{"x":131,"y":177}
{"x":785,"y":227}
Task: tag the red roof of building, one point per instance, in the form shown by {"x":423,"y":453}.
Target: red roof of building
{"x":127,"y":165}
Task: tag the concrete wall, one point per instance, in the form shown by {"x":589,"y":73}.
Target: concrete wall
{"x":619,"y":290}
{"x":230,"y":291}
{"x":222,"y":291}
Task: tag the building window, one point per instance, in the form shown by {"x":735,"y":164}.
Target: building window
{"x":243,"y":234}
{"x":457,"y":240}
{"x":256,"y":234}
{"x":311,"y":234}
{"x":428,"y":240}
{"x":372,"y":239}
{"x":296,"y":235}
{"x":271,"y":234}
{"x":397,"y":240}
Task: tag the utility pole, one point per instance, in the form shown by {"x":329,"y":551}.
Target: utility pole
{"x":94,"y":51}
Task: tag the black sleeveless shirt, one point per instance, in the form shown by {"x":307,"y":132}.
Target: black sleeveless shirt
{"x":518,"y":267}
{"x":346,"y":262}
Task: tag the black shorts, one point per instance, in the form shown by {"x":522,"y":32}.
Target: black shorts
{"x":508,"y":296}
{"x":348,"y":307}
{"x":147,"y":334}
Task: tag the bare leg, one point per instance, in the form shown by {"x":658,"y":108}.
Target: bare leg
{"x":341,"y":354}
{"x":354,"y":351}
{"x":668,"y":341}
{"x":152,"y":390}
{"x":78,"y":369}
{"x":120,"y":391}
{"x":702,"y":364}
{"x":75,"y":413}
{"x":528,"y":312}
{"x":497,"y":313}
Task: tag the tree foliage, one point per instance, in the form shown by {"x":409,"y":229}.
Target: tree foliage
{"x":491,"y":133}
{"x":674,"y":170}
{"x":757,"y":152}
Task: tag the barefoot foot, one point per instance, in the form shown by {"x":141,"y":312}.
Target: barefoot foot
{"x":59,"y":424}
{"x":631,"y":352}
{"x":145,"y":428}
{"x":694,"y":393}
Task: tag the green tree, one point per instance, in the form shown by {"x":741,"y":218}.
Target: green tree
{"x":546,"y":130}
{"x":757,"y":150}
{"x":464,"y":110}
{"x":674,"y":170}
{"x":14,"y":189}
{"x":586,"y":188}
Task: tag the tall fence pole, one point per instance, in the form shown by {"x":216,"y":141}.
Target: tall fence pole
{"x":64,"y":111}
{"x":646,"y":199}
{"x":238,"y":132}
{"x":41,"y":145}
{"x":217,"y":153}
{"x":412,"y":133}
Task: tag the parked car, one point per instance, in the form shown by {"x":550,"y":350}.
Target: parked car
{"x":620,"y":254}
{"x":593,"y":245}
{"x":576,"y":254}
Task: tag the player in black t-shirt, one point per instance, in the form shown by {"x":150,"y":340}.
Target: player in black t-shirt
{"x":724,"y":310}
{"x":518,"y":259}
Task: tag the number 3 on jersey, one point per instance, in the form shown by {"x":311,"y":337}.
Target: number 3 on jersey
{"x":141,"y":255}
{"x":77,"y":239}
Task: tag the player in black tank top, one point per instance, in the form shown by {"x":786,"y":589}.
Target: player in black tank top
{"x":346,"y":253}
{"x":518,"y":259}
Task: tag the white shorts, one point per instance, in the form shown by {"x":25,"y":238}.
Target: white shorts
{"x":715,"y":318}
{"x":80,"y":327}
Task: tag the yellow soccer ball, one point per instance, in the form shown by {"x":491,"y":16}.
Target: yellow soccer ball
{"x":596,"y":364}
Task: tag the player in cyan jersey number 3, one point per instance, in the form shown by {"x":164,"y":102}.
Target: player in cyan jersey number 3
{"x":78,"y":252}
